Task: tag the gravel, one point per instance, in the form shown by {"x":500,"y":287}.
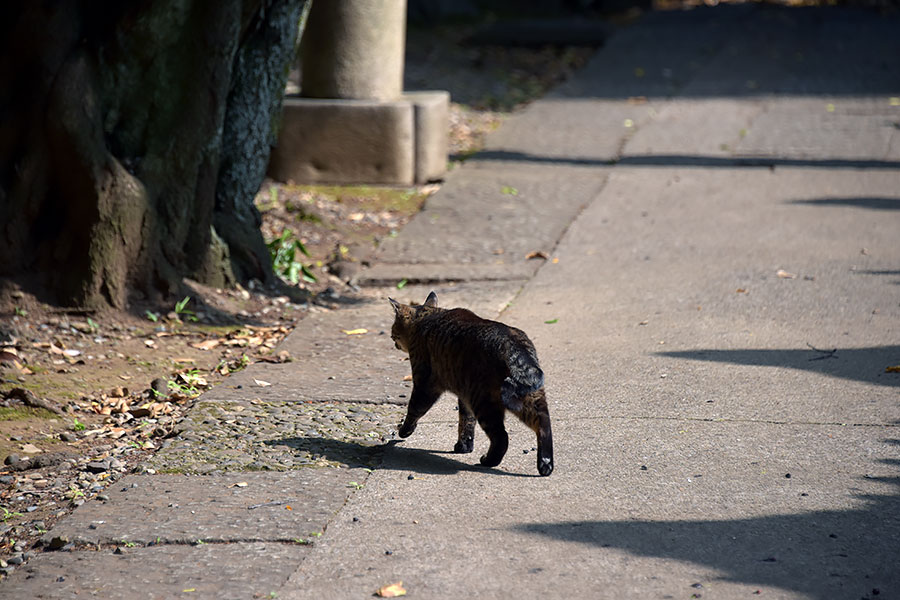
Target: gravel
{"x":258,"y":435}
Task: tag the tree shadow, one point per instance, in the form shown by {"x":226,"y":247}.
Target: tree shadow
{"x":823,"y":554}
{"x":392,"y":455}
{"x":872,"y":203}
{"x":858,"y":364}
{"x":697,"y":161}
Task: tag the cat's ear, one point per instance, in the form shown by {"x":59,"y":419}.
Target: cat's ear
{"x":397,"y":306}
{"x":431,"y":300}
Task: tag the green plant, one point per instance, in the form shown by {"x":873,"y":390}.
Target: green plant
{"x":181,"y":310}
{"x":185,"y":389}
{"x":285,"y":263}
{"x":151,"y":316}
{"x":93,"y":325}
{"x":78,"y":425}
{"x":8,"y":514}
{"x":20,"y":312}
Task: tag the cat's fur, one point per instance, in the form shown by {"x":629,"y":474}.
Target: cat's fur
{"x":491,"y":367}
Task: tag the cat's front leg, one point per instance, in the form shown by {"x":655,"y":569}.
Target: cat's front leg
{"x":421,"y":400}
{"x":465,"y":442}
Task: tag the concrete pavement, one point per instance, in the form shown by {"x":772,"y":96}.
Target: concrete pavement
{"x":718,"y":194}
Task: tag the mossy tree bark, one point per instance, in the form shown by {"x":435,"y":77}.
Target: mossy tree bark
{"x":135,"y":136}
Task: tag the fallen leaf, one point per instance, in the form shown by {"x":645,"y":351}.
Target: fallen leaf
{"x":628,"y":123}
{"x":892,"y":369}
{"x":785,"y":275}
{"x":391,"y":591}
{"x":205,"y":345}
{"x":894,"y":101}
{"x":643,"y":322}
{"x":148,"y":343}
{"x":359,"y":331}
{"x":551,"y":321}
{"x":509,"y":190}
{"x":30,"y":449}
{"x":407,"y":378}
{"x":288,"y":507}
{"x":240,"y":484}
{"x":402,"y":283}
{"x":555,"y":261}
{"x":261,"y":383}
{"x":740,"y":291}
{"x":536,"y":254}
{"x":72,"y":352}
{"x":637,"y":100}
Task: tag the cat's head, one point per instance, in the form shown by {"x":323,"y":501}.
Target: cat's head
{"x":406,"y":317}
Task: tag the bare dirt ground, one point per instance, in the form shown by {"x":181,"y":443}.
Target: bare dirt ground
{"x":85,"y":396}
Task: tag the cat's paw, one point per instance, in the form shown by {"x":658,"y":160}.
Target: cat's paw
{"x":464,"y":446}
{"x":489,"y":461}
{"x":406,"y":430}
{"x":544,"y":465}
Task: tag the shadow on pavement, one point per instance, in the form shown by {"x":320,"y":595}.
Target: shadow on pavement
{"x":398,"y":457}
{"x":860,"y":364}
{"x":870,"y":203}
{"x":824,"y":554}
{"x":692,"y":161}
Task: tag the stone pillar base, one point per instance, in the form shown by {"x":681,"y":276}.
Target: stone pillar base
{"x":363,"y":141}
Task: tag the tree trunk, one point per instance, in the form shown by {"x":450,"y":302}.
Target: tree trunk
{"x":135,"y":137}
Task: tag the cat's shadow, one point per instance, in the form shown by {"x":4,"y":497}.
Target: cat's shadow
{"x":394,"y":455}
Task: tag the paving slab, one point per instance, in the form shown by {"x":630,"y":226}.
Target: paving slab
{"x":635,"y":508}
{"x":676,"y":273}
{"x":238,"y":507}
{"x":490,"y":218}
{"x":221,"y":571}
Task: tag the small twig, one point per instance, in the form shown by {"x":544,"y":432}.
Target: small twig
{"x":824,"y":353}
{"x":275,"y":503}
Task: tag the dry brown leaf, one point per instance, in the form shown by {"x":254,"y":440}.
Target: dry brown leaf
{"x":359,"y":331}
{"x":391,"y":591}
{"x":536,"y":254}
{"x":261,"y":383}
{"x":785,"y":275}
{"x":892,"y":369}
{"x":407,"y":378}
{"x":205,"y":345}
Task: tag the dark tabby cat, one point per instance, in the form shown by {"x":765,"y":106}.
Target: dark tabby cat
{"x":491,"y":367}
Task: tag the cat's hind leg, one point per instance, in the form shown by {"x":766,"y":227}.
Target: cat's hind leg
{"x":536,"y":415}
{"x":490,"y":417}
{"x":466,"y":439}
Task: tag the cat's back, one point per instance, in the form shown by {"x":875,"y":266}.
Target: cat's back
{"x":464,"y":331}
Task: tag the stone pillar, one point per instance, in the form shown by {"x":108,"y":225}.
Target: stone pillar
{"x":354,"y":49}
{"x":353,"y":123}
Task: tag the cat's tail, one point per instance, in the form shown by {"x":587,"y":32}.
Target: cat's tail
{"x":525,"y":377}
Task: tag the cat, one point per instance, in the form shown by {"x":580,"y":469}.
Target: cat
{"x":491,"y":367}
